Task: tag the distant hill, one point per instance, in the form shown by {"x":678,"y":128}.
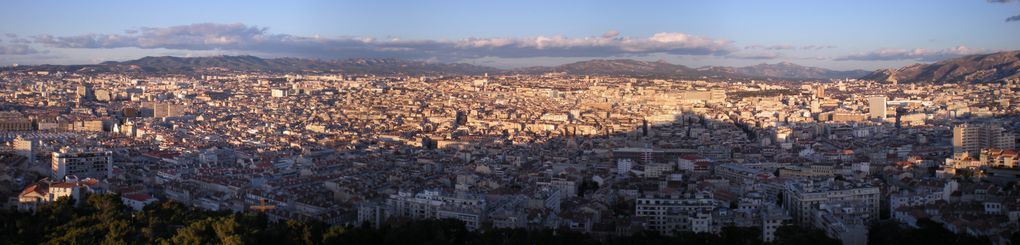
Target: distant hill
{"x":661,"y":68}
{"x":252,"y":63}
{"x":620,"y":67}
{"x":972,"y":68}
{"x":390,"y":66}
{"x":791,"y":70}
{"x":168,"y":64}
{"x":233,"y":63}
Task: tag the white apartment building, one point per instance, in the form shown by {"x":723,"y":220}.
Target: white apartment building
{"x":465,"y":207}
{"x":802,"y":197}
{"x":83,"y":163}
{"x":668,"y":213}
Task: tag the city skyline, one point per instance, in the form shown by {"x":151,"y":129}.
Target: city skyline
{"x":842,"y":36}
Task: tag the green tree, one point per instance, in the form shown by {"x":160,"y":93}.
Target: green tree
{"x":792,"y":235}
{"x":223,"y":230}
{"x":117,"y":232}
{"x":227,"y":230}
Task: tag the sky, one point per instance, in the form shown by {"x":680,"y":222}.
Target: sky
{"x":842,"y":35}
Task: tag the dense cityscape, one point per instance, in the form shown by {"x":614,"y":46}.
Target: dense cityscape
{"x":599,"y":155}
{"x":568,"y":122}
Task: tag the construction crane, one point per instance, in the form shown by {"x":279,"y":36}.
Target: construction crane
{"x":263,"y":206}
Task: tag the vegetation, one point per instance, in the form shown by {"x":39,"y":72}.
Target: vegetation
{"x":103,"y":219}
{"x":928,"y":233}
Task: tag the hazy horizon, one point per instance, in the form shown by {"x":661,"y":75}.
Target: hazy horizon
{"x":481,"y":62}
{"x":864,"y":35}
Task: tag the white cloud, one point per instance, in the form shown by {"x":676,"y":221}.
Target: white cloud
{"x":17,"y":49}
{"x":241,"y":37}
{"x":770,"y":47}
{"x":755,"y":55}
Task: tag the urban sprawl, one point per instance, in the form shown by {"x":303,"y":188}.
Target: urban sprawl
{"x":603,"y":155}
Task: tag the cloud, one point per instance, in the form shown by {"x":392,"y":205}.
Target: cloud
{"x":817,"y":47}
{"x":770,"y":47}
{"x":20,"y":41}
{"x":17,"y":49}
{"x":611,"y":34}
{"x":756,"y":56}
{"x":817,"y":57}
{"x":1011,"y":18}
{"x":919,"y":54}
{"x":241,"y":37}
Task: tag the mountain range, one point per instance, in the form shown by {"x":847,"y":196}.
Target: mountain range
{"x":985,"y":67}
{"x":170,"y":64}
{"x":972,"y":68}
{"x":628,"y":67}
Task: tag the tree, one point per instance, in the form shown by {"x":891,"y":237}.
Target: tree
{"x":195,"y":234}
{"x":791,"y":234}
{"x":740,"y":235}
{"x":117,"y":232}
{"x":104,"y":220}
{"x":928,"y":232}
{"x":334,"y":234}
{"x":227,"y":230}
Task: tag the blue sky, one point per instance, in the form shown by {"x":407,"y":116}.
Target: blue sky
{"x":859,"y":34}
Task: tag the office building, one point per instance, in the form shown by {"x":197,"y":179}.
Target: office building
{"x":85,"y":91}
{"x":161,"y":110}
{"x":877,"y":106}
{"x":83,"y":163}
{"x":26,"y":148}
{"x":972,"y":137}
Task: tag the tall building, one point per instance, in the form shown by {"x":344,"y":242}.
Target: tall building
{"x":877,"y":106}
{"x":83,"y":163}
{"x":26,"y":148}
{"x":972,"y":137}
{"x":85,"y":91}
{"x":771,"y":219}
{"x":161,"y":110}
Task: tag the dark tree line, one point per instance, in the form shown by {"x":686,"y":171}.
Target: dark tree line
{"x":103,"y":219}
{"x":928,"y":233}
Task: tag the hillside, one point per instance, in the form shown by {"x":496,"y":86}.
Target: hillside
{"x":791,"y":70}
{"x":252,"y":63}
{"x":619,"y":67}
{"x":973,"y":68}
{"x":784,"y":70}
{"x":169,"y":64}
